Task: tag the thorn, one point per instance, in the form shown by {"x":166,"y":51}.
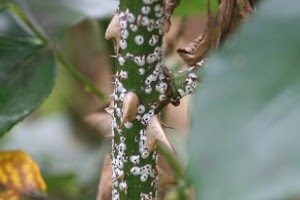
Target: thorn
{"x":130,"y":106}
{"x":110,"y":108}
{"x":113,"y":31}
{"x":155,"y":132}
{"x":105,"y":184}
{"x":164,"y":178}
{"x":101,"y":122}
{"x":139,"y":20}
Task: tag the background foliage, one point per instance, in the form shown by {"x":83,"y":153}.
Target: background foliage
{"x":245,"y":125}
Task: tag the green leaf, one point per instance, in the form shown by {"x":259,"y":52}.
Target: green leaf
{"x":194,"y":7}
{"x":245,"y":131}
{"x":9,"y":25}
{"x":27,"y":73}
{"x":14,"y":50}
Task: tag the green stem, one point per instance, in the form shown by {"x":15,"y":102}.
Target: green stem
{"x":21,"y":15}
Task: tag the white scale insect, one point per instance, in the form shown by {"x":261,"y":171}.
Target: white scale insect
{"x":151,"y":58}
{"x":123,"y":186}
{"x":121,"y":60}
{"x":133,"y":27}
{"x":153,"y":40}
{"x":148,"y":89}
{"x":141,"y":109}
{"x":130,"y":18}
{"x":145,"y":154}
{"x":123,"y":74}
{"x":145,"y":21}
{"x":148,"y":2}
{"x":139,"y":39}
{"x":124,"y":33}
{"x":123,"y":44}
{"x":146,"y":10}
{"x":139,"y":60}
{"x":145,"y":119}
{"x":141,"y":71}
{"x":150,"y":26}
{"x":162,"y":97}
{"x":128,"y":125}
{"x":135,"y":159}
{"x":144,"y":177}
{"x":135,"y":171}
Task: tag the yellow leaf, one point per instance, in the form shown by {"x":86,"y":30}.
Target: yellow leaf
{"x":19,"y":175}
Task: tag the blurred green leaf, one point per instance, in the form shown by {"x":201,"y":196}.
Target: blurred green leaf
{"x":245,"y":132}
{"x":27,"y":73}
{"x":8,"y":25}
{"x":194,"y":7}
{"x":13,"y":51}
{"x":57,"y":15}
{"x":61,"y":183}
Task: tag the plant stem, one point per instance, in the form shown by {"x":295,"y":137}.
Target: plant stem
{"x":21,"y":15}
{"x":139,"y":70}
{"x":143,"y":86}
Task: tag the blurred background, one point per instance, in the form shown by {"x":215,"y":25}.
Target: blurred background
{"x":67,"y":147}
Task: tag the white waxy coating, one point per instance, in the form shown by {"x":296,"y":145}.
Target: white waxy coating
{"x":142,"y":132}
{"x":139,"y":39}
{"x":124,"y":33}
{"x":146,"y":10}
{"x":135,"y":170}
{"x":144,"y":177}
{"x":162,"y":97}
{"x":148,"y":80}
{"x":121,"y":60}
{"x":181,"y":92}
{"x":123,"y":186}
{"x":145,"y":154}
{"x":122,"y":96}
{"x":128,"y":125}
{"x":146,"y":118}
{"x":145,"y":21}
{"x":130,"y":17}
{"x":148,"y":89}
{"x":133,"y":27}
{"x":135,"y":159}
{"x":124,"y":74}
{"x":150,"y":59}
{"x":141,"y":109}
{"x":123,"y":24}
{"x":153,"y":40}
{"x":139,"y":60}
{"x":123,"y":44}
{"x":157,"y":8}
{"x":189,"y":89}
{"x":141,"y":71}
{"x":148,"y":2}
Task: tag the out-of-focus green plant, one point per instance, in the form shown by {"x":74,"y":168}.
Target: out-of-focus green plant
{"x":244,"y":137}
{"x":244,"y":141}
{"x":27,"y":68}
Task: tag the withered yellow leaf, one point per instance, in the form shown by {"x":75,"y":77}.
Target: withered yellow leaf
{"x":19,"y":175}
